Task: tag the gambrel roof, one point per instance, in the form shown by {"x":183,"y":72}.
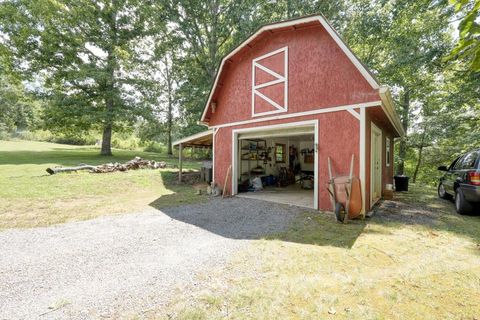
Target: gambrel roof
{"x":294,"y":24}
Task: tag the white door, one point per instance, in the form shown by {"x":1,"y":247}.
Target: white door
{"x":376,"y":164}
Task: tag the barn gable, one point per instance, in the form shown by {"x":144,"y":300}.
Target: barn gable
{"x":273,"y":72}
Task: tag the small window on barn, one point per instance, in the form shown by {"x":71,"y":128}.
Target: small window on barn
{"x":280,"y":155}
{"x":387,"y":150}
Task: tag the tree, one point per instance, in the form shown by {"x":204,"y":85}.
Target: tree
{"x":87,"y":52}
{"x":468,"y":46}
{"x":208,"y":30}
{"x":160,"y":124}
{"x":403,"y":42}
{"x":18,"y":108}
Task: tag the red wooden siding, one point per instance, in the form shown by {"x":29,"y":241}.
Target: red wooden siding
{"x":338,"y":138}
{"x":320,"y":75}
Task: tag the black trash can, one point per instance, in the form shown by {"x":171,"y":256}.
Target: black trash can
{"x":401,"y":183}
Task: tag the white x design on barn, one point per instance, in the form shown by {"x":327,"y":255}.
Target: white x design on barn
{"x":277,"y":79}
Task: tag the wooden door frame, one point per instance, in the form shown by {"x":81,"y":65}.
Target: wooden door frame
{"x":375,"y":130}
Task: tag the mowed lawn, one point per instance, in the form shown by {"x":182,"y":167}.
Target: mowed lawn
{"x":29,"y":197}
{"x":414,"y":259}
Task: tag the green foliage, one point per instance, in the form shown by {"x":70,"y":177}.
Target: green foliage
{"x":90,"y":55}
{"x":79,"y":139}
{"x":18,"y":109}
{"x":468,"y":47}
{"x":155,"y":147}
{"x":144,"y":69}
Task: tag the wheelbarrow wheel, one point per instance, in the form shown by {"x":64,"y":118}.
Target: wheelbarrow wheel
{"x":340,"y":212}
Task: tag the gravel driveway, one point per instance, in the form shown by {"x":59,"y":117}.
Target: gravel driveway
{"x":115,"y":266}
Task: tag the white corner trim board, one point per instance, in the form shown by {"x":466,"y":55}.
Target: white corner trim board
{"x":363,"y":155}
{"x":301,"y":114}
{"x":215,"y":130}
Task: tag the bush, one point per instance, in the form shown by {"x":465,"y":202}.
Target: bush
{"x":155,"y":147}
{"x":4,"y":135}
{"x":44,"y":135}
{"x":126,"y":142}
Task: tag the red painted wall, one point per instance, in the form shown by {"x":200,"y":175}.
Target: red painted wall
{"x":320,"y":76}
{"x":338,"y":139}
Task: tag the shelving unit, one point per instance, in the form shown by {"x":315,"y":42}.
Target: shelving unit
{"x":251,"y":151}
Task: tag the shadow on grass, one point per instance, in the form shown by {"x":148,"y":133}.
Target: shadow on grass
{"x":181,"y":194}
{"x":241,"y":218}
{"x":321,"y":229}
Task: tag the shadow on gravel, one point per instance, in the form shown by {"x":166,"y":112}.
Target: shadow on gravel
{"x":234,"y":218}
{"x":240,"y":218}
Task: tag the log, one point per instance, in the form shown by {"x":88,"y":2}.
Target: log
{"x":134,"y":164}
{"x":69,"y":169}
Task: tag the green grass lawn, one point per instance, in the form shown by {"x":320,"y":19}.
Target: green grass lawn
{"x":29,"y":197}
{"x":416,"y":260}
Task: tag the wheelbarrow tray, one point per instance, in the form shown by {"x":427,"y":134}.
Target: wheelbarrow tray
{"x":352,"y":204}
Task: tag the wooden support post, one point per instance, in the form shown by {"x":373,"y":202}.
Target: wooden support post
{"x":224,"y":193}
{"x":180,"y":151}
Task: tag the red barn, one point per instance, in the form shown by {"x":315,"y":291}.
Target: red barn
{"x":287,"y":99}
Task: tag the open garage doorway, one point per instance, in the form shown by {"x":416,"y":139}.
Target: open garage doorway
{"x":277,"y":163}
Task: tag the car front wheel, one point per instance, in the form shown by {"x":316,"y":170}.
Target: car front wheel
{"x":441,"y":192}
{"x":462,"y":205}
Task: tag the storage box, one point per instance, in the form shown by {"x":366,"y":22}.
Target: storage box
{"x":388,"y":194}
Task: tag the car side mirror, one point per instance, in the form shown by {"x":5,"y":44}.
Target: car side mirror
{"x":443,"y":168}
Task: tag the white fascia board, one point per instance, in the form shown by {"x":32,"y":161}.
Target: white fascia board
{"x":195,"y":136}
{"x":301,"y":114}
{"x":389,"y":109}
{"x":373,"y":83}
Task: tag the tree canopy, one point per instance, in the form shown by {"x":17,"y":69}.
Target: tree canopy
{"x":106,"y":65}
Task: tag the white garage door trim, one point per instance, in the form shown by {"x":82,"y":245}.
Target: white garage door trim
{"x":276,"y":129}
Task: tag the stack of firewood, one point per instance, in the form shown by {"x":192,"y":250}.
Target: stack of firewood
{"x":134,"y":164}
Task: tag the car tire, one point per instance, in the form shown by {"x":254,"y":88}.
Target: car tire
{"x":442,"y":194}
{"x":462,"y":205}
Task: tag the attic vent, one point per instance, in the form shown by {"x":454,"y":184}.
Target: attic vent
{"x":270,"y":83}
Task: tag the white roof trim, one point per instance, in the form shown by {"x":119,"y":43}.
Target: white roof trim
{"x":388,"y":108}
{"x":193,"y":137}
{"x":284,"y":24}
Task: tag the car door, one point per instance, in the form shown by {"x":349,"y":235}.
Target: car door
{"x":450,"y":175}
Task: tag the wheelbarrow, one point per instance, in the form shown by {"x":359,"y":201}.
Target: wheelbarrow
{"x":345,"y":193}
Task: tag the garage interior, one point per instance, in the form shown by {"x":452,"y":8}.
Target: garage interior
{"x":277,"y":166}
